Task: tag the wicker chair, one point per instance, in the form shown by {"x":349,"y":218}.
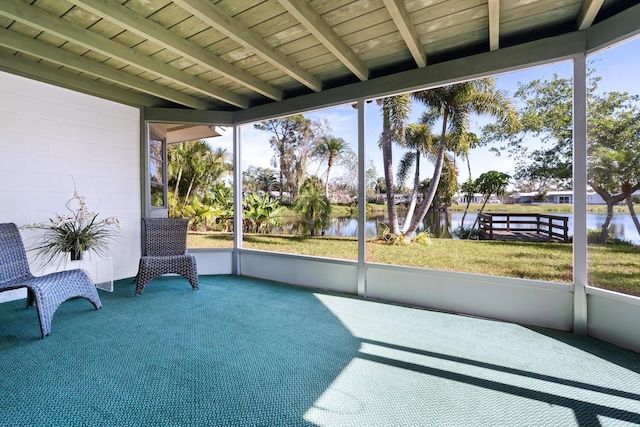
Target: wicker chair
{"x":48,"y":291}
{"x":166,"y":252}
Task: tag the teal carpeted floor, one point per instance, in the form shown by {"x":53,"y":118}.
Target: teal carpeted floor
{"x":241,"y":352}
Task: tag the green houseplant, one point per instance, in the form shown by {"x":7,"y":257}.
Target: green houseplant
{"x":75,"y":233}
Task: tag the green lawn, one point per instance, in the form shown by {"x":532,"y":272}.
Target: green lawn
{"x":613,"y":267}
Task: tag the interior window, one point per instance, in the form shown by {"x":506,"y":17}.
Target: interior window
{"x":156,"y":170}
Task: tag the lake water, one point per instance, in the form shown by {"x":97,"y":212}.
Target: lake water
{"x":622,"y":225}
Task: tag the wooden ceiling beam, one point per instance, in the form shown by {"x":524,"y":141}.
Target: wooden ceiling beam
{"x":150,"y":30}
{"x":62,"y":57}
{"x":494,"y":24}
{"x":313,"y":22}
{"x":35,"y":70}
{"x":34,"y":17}
{"x":588,"y":13}
{"x":219,"y":20}
{"x":401,"y":18}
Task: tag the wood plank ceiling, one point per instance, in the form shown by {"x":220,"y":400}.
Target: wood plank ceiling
{"x":233,"y":54}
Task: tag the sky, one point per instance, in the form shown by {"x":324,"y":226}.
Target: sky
{"x":618,"y":66}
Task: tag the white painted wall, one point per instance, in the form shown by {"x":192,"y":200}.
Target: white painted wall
{"x":528,"y":302}
{"x":321,"y":273}
{"x":213,"y":261}
{"x":50,"y":136}
{"x":520,"y":301}
{"x":614,"y":317}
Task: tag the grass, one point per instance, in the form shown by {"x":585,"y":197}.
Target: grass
{"x":612,"y":267}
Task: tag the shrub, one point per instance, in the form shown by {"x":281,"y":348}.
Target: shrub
{"x":465,"y":233}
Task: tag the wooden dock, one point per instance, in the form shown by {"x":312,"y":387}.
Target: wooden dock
{"x":524,"y":227}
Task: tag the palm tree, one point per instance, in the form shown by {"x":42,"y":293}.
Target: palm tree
{"x":455,"y":104}
{"x":420,"y":141}
{"x":175,"y":166}
{"x":331,"y":149}
{"x":185,"y":164}
{"x":193,"y":168}
{"x":259,"y":211}
{"x":207,"y":167}
{"x":395,"y":110}
{"x":312,"y":205}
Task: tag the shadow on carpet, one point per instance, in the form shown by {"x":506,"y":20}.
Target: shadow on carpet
{"x":241,"y":351}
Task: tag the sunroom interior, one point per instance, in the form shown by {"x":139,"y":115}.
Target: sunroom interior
{"x":86,"y":85}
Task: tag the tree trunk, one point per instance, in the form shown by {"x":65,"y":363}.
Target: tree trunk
{"x":604,"y":233}
{"x":633,"y":212}
{"x":312,"y":227}
{"x":610,"y":200}
{"x":466,"y":208}
{"x":175,"y":194}
{"x":326,"y":184}
{"x":186,"y":198}
{"x":387,"y":159}
{"x":281,"y":178}
{"x":464,"y":215}
{"x":435,"y":180}
{"x":484,"y":203}
{"x":414,"y":195}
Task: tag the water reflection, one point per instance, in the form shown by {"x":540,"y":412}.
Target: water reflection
{"x":442,"y":225}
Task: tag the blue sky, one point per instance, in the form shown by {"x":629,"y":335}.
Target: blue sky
{"x":618,"y":66}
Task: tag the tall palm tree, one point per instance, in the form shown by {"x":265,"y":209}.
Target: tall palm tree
{"x":330,"y":149}
{"x":395,"y":111}
{"x":455,"y":104}
{"x":194,"y":166}
{"x":419,"y":141}
{"x":177,"y":155}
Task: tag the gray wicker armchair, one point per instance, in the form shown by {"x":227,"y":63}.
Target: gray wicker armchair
{"x":166,"y":252}
{"x":47,"y":291}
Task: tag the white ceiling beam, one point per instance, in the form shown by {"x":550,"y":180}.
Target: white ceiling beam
{"x":588,"y":12}
{"x":313,"y":22}
{"x":35,"y":17}
{"x":494,"y":24}
{"x":150,"y":30}
{"x":65,"y":58}
{"x":401,"y":18}
{"x":219,"y":20}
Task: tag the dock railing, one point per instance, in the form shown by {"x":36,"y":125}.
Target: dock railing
{"x":553,"y":227}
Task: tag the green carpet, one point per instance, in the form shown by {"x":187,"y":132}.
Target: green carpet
{"x":247,"y":352}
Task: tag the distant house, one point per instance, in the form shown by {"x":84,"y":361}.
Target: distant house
{"x":524,"y":198}
{"x":557,"y":197}
{"x":477,"y":199}
{"x":594,"y":198}
{"x":400,"y":198}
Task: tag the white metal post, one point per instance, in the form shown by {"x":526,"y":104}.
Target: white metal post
{"x":362,"y":201}
{"x":237,"y":201}
{"x":580,"y":268}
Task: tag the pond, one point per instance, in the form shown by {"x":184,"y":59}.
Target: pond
{"x":437,"y":224}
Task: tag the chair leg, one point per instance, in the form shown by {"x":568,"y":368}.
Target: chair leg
{"x":31,"y":297}
{"x":193,"y":281}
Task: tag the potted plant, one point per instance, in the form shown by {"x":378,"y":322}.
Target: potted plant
{"x":75,"y":233}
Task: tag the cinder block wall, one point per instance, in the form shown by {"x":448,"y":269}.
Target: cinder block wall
{"x":50,"y":137}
